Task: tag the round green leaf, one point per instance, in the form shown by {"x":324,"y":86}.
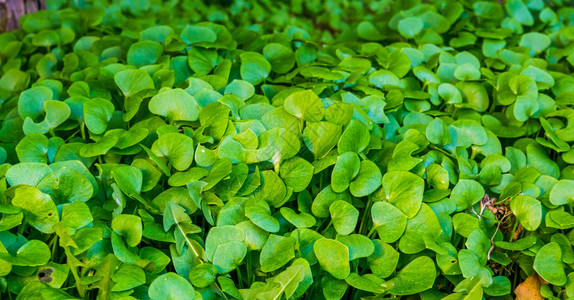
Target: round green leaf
{"x":195,"y":34}
{"x":321,"y":137}
{"x":177,"y":148}
{"x":229,"y":256}
{"x":32,"y":253}
{"x":202,"y":275}
{"x":548,"y":264}
{"x":411,"y":26}
{"x":561,"y":193}
{"x":254,"y":67}
{"x":388,"y":220}
{"x":466,"y":193}
{"x":404,"y":190}
{"x":344,"y":217}
{"x":296,"y":173}
{"x":132,"y":82}
{"x":302,"y":220}
{"x":144,"y":53}
{"x":419,"y":275}
{"x":175,"y":104}
{"x":355,"y":138}
{"x":367,"y":181}
{"x":171,"y":286}
{"x":346,"y":168}
{"x":281,"y":58}
{"x":31,"y":101}
{"x":305,"y":105}
{"x":97,"y":114}
{"x":333,"y":256}
{"x":240,"y":88}
{"x":424,"y":223}
{"x":528,"y":211}
{"x":39,"y":209}
{"x":129,"y":227}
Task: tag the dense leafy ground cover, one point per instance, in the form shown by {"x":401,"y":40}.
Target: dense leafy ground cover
{"x":298,"y":149}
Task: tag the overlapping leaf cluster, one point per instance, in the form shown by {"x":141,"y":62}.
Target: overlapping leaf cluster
{"x":298,"y":149}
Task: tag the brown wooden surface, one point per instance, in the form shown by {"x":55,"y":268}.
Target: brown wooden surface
{"x":12,"y":10}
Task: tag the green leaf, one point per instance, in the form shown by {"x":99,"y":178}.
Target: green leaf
{"x":144,"y":53}
{"x":321,"y":137}
{"x":240,"y":88}
{"x":31,"y":101}
{"x":528,"y":211}
{"x":355,"y":138}
{"x":471,"y":266}
{"x":127,"y":277}
{"x":409,"y":27}
{"x":129,"y":180}
{"x":519,"y":11}
{"x":333,"y":288}
{"x":347,"y":167}
{"x":177,"y":148}
{"x":466,"y":193}
{"x":359,"y":245}
{"x":561,"y":193}
{"x":281,"y":58}
{"x":278,"y":144}
{"x":404,"y":190}
{"x":425,"y":222}
{"x":276,"y":253}
{"x":500,"y":286}
{"x":305,"y":105}
{"x":97,"y":114}
{"x":260,"y":214}
{"x":220,"y":235}
{"x":39,"y":209}
{"x":384,"y":259}
{"x":302,"y":220}
{"x":133,"y":82}
{"x":27,"y":173}
{"x":344,"y":217}
{"x":333,"y":256}
{"x":192,"y":34}
{"x":437,"y":132}
{"x":171,"y":286}
{"x":57,"y":112}
{"x":548,"y":264}
{"x":367,"y":181}
{"x":75,"y":216}
{"x":419,"y":275}
{"x":203,"y":275}
{"x":297,"y":173}
{"x":535,"y":41}
{"x":272,"y":190}
{"x":129,"y":227}
{"x":33,"y":148}
{"x":32,"y":253}
{"x":389,"y":221}
{"x":384,"y":79}
{"x":229,"y":256}
{"x":175,"y":104}
{"x":254,"y":67}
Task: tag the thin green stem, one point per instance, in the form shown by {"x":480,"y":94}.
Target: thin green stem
{"x":513,"y":230}
{"x":367,"y":213}
{"x":239,"y":277}
{"x":54,"y":246}
{"x":441,"y":150}
{"x":328,"y":225}
{"x":83,"y":131}
{"x":371,"y":232}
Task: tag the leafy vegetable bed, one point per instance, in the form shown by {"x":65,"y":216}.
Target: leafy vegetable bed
{"x":300,"y":149}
